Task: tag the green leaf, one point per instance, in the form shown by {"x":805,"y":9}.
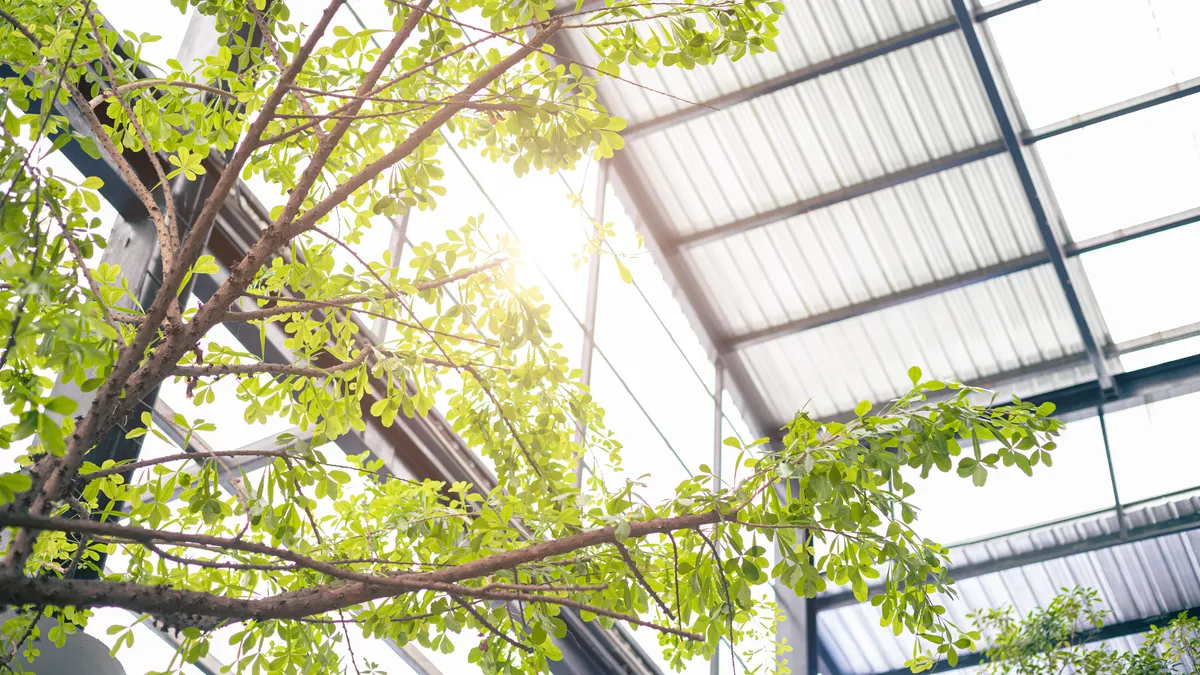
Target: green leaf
{"x":914,"y":374}
{"x":626,"y":275}
{"x":12,"y":484}
{"x":862,"y":408}
{"x":979,"y":475}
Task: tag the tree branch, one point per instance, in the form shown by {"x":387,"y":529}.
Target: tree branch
{"x":299,"y":305}
{"x":488,"y":624}
{"x":637,"y":573}
{"x":132,"y":466}
{"x":287,"y":369}
{"x":147,"y":84}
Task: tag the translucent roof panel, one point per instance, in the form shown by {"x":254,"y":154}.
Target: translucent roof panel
{"x":163,"y":19}
{"x":1161,"y":354}
{"x":1066,"y":57}
{"x":841,"y":129}
{"x":1153,"y":450}
{"x":1143,"y":286}
{"x":1140,"y":580}
{"x":1128,"y":170}
{"x":810,"y":32}
{"x":872,"y":246}
{"x":973,"y":334}
{"x":1078,"y":483}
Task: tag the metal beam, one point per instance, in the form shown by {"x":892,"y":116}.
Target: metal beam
{"x":1114,"y":111}
{"x":930,"y":289}
{"x":963,"y":280}
{"x":1109,"y":632}
{"x":1087,"y":545}
{"x":678,"y":275}
{"x":809,"y":72}
{"x":1054,"y":247}
{"x":791,"y":79}
{"x":828,"y":199}
{"x":1148,"y":100}
{"x":1134,"y":232}
{"x":1165,"y":380}
{"x":1004,"y":7}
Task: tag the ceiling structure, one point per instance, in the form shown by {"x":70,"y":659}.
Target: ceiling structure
{"x":871,"y":196}
{"x":866,"y":198}
{"x":971,"y":188}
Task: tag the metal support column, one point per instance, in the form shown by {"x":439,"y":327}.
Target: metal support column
{"x":714,"y":665}
{"x":396,"y":248}
{"x":1054,"y":247}
{"x":589,"y":321}
{"x":1122,"y":524}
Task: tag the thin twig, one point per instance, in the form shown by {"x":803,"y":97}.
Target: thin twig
{"x":122,"y":468}
{"x":488,"y":624}
{"x":637,"y":574}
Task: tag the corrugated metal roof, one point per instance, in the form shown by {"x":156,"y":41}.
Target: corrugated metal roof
{"x":889,"y":241}
{"x":1137,"y":580}
{"x":972,"y":334}
{"x":810,"y":32}
{"x":839,"y":130}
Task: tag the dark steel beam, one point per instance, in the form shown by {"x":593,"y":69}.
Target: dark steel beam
{"x":1054,"y":247}
{"x":836,"y":197}
{"x":1136,"y":388}
{"x":1109,"y":632}
{"x":932,"y":288}
{"x":1114,"y":111}
{"x":1147,"y":100}
{"x":791,"y":79}
{"x":1081,"y":546}
{"x":810,"y":72}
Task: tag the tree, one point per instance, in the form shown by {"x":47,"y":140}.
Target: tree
{"x":349,"y":132}
{"x":1063,"y":637}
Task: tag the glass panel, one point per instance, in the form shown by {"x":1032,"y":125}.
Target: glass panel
{"x":156,"y":18}
{"x":1154,"y":449}
{"x":149,"y":653}
{"x":226,"y":412}
{"x":657,"y":374}
{"x":1161,"y":354}
{"x":1142,"y":285}
{"x":645,"y":456}
{"x":1126,"y":171}
{"x":952,"y":509}
{"x":1066,"y":57}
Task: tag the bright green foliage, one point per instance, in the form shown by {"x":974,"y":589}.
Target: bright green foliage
{"x":1061,"y":637}
{"x":486,"y":351}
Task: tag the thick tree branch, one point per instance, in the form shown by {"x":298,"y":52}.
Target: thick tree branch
{"x":129,"y":378}
{"x":286,"y":369}
{"x":356,"y":588}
